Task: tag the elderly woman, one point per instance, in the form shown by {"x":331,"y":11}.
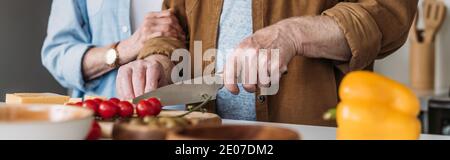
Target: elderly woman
{"x":89,"y":39}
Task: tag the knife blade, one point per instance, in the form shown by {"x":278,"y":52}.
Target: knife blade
{"x":182,"y":93}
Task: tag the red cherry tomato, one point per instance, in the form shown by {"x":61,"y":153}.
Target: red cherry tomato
{"x":91,"y":104}
{"x":95,"y":133}
{"x":126,"y":109}
{"x":107,"y":110}
{"x":115,"y":100}
{"x":157,"y":110}
{"x":155,"y":102}
{"x":145,"y":108}
{"x":98,"y":100}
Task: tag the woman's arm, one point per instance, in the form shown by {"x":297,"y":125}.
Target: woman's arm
{"x":156,"y":24}
{"x":67,"y":41}
{"x":70,"y":57}
{"x":154,"y":67}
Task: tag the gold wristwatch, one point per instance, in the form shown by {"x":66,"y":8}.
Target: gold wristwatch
{"x":112,"y":56}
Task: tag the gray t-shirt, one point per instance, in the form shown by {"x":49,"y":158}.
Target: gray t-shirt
{"x":236,"y":24}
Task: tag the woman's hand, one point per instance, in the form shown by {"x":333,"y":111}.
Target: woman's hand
{"x":156,"y":24}
{"x":142,"y":76}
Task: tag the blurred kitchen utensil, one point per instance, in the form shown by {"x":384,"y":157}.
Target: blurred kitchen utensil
{"x":434,"y":15}
{"x":422,"y":65}
{"x":416,"y":34}
{"x":44,"y":122}
{"x":422,"y":58}
{"x":439,"y":115}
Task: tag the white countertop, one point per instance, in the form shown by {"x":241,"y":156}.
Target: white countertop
{"x":316,"y":132}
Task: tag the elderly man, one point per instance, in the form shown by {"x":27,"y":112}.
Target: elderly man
{"x":319,"y":41}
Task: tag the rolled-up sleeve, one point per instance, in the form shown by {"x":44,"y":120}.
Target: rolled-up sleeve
{"x":166,"y":45}
{"x":373,"y":28}
{"x":67,"y":41}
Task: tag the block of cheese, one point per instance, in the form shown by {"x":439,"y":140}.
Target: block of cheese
{"x":36,"y":98}
{"x":88,"y":97}
{"x":75,"y":100}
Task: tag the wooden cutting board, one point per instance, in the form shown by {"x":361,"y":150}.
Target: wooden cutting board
{"x":196,"y":118}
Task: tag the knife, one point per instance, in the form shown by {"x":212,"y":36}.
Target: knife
{"x":183,"y":93}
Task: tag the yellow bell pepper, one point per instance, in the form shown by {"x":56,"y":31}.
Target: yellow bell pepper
{"x":374,"y":107}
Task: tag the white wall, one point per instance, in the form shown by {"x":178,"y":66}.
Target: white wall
{"x":396,"y":66}
{"x":22,"y":30}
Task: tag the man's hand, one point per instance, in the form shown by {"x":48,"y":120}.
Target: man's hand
{"x":312,"y":37}
{"x":142,"y":76}
{"x":247,"y":56}
{"x":156,"y":24}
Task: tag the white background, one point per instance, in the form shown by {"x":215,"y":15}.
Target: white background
{"x":396,"y":66}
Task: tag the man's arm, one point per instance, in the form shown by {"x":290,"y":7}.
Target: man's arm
{"x":358,"y":32}
{"x":355,"y":33}
{"x":309,"y":36}
{"x":316,"y":37}
{"x":373,"y":28}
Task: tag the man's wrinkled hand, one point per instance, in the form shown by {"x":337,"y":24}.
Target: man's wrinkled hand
{"x":254,"y":60}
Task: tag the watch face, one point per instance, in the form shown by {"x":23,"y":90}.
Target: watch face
{"x":111,"y":57}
